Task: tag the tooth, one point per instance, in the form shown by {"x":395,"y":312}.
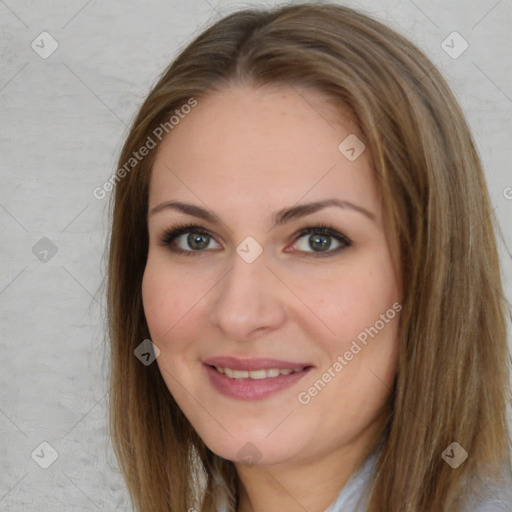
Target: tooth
{"x":258,"y":374}
{"x":240,"y":374}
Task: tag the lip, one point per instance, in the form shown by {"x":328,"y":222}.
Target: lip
{"x":251,"y":389}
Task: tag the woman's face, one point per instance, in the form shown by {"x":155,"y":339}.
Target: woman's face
{"x":248,"y":290}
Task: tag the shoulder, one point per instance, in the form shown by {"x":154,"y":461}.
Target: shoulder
{"x":491,"y":496}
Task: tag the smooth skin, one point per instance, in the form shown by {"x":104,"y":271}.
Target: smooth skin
{"x":245,"y":153}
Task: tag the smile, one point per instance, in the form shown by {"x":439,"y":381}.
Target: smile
{"x":254,"y":378}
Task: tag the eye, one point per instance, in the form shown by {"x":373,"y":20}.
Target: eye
{"x":320,"y":240}
{"x":191,"y":239}
{"x":196,"y":240}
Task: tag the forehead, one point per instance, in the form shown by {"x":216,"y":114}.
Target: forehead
{"x":244,"y":145}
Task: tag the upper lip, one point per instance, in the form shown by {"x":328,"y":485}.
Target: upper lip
{"x":257,"y":363}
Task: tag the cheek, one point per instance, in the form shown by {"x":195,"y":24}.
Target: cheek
{"x":348,"y":301}
{"x":167,"y":298}
{"x":155,"y":300}
{"x":168,"y":310}
{"x":356,"y":305}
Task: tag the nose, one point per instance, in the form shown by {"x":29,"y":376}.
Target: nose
{"x":248,"y":299}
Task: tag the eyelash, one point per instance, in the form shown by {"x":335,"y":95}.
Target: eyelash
{"x":167,"y":238}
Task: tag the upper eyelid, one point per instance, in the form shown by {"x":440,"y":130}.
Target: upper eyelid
{"x":301,"y":231}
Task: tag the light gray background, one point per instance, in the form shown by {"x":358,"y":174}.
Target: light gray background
{"x":63,"y":122}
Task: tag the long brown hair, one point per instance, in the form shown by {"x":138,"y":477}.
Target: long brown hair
{"x":452,"y":383}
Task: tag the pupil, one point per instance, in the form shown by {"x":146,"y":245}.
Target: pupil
{"x":197,"y":241}
{"x":321,"y":242}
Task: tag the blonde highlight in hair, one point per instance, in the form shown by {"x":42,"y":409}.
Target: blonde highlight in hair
{"x":452,"y":382}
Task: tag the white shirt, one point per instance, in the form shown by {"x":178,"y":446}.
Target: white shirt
{"x":352,"y":497}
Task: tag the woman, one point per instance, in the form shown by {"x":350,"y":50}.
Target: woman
{"x":303,"y":239}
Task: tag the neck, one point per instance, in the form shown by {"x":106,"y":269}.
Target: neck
{"x":310,"y":485}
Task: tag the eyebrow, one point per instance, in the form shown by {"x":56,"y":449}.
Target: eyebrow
{"x":281,"y":217}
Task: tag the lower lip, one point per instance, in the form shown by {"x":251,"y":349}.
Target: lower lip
{"x":252,"y":389}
